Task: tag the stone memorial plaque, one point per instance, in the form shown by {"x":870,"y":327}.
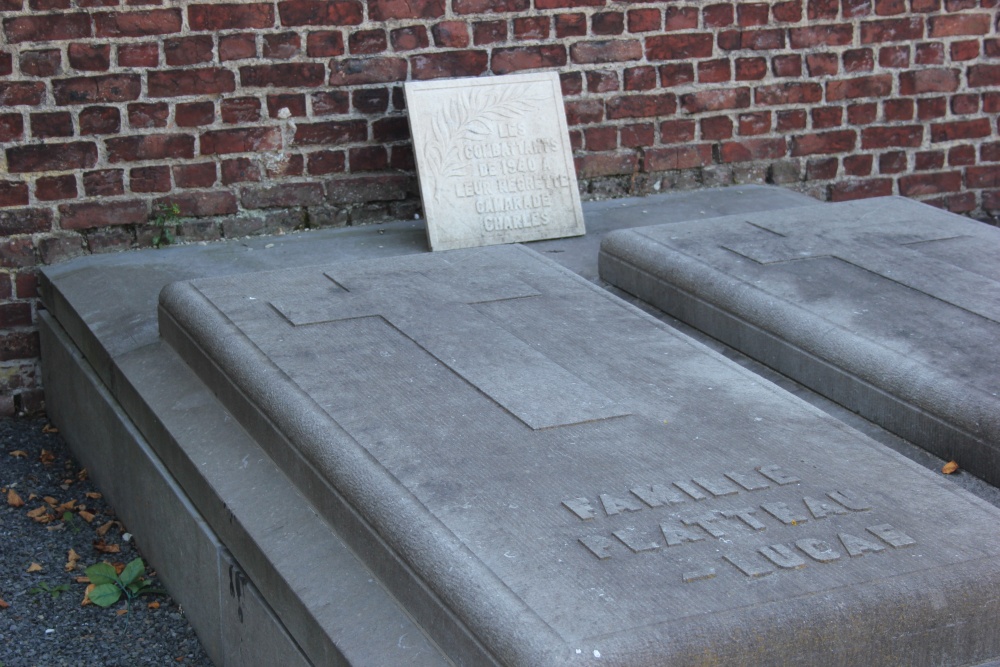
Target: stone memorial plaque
{"x":493,"y":160}
{"x":887,"y":306}
{"x":543,"y":475}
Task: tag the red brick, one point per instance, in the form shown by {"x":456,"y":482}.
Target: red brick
{"x":750,"y":69}
{"x":384,"y":10}
{"x":240,"y":170}
{"x":919,"y":82}
{"x":879,"y":85}
{"x":761,"y":40}
{"x":137,"y":24}
{"x":51,"y":157}
{"x":991,"y":104}
{"x":46,"y":125}
{"x":236,"y":16}
{"x":896,"y":110}
{"x":861,"y":189}
{"x":489,"y":32}
{"x":532,"y":27}
{"x":326,"y":162}
{"x":283,"y":46}
{"x":822,"y":9}
{"x":601,"y":138}
{"x":293,"y":104}
{"x":821,"y":35}
{"x":90,"y":57}
{"x":963,"y":105}
{"x":611,"y":23}
{"x":368,"y":158}
{"x":718,"y":16}
{"x":331,"y":132}
{"x":965,"y":129}
{"x":916,"y":185}
{"x":19,"y":345}
{"x":791,"y":120}
{"x":890,"y":7}
{"x":240,"y":110}
{"x":638,"y":135}
{"x":282,"y":195}
{"x":676,"y":74}
{"x":47,"y":27}
{"x":640,"y":78}
{"x":677,"y":131}
{"x":753,"y":149}
{"x":283,"y":75}
{"x":450,"y":34}
{"x":928,"y":160}
{"x":894,"y":56}
{"x":679,"y":47}
{"x":789,"y":93}
{"x":602,"y":81}
{"x":141,"y":115}
{"x":356,"y":71}
{"x":149,"y":179}
{"x":962,"y":156}
{"x":752,"y":14}
{"x":787,"y":65}
{"x":528,"y":57}
{"x":714,"y":71}
{"x":855,"y":8}
{"x":194,"y":114}
{"x":826,"y":117}
{"x":201,"y":81}
{"x":595,"y":165}
{"x":370,"y":100}
{"x":17,"y":93}
{"x":787,"y":12}
{"x":716,"y":128}
{"x":981,"y":76}
{"x":138,"y":55}
{"x":409,"y":38}
{"x":12,"y":193}
{"x":958,"y":24}
{"x":199,"y":175}
{"x":680,"y":157}
{"x":571,"y":25}
{"x":858,"y":165}
{"x":11,"y":126}
{"x":715,"y":100}
{"x":838,"y":141}
{"x":449,"y":64}
{"x":892,"y":163}
{"x":42,"y":63}
{"x":990,"y":152}
{"x":374,"y":41}
{"x":188,"y":50}
{"x":862,"y":114}
{"x":859,"y":60}
{"x":991,"y":47}
{"x":150,"y":147}
{"x":640,"y":106}
{"x":983,"y":177}
{"x":892,"y":30}
{"x":907,"y":136}
{"x":822,"y":64}
{"x":87,"y":215}
{"x":964,"y":50}
{"x":932,"y":107}
{"x":680,"y":18}
{"x":930,"y":53}
{"x":580,"y":112}
{"x":392,"y":128}
{"x":606,"y":51}
{"x":201,"y":204}
{"x":644,"y":20}
{"x":104,"y":183}
{"x":330,"y":102}
{"x":751,"y":124}
{"x":17,"y":252}
{"x":107,"y":88}
{"x":237,"y":47}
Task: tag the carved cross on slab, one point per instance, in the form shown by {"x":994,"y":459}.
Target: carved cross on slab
{"x":438,"y":312}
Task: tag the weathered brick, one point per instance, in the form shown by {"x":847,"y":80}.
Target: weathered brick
{"x":240,"y":170}
{"x":385,"y":10}
{"x":680,"y":18}
{"x":528,"y":57}
{"x":787,"y":65}
{"x":237,"y":47}
{"x":241,"y":140}
{"x":450,"y":34}
{"x":331,"y":132}
{"x":368,"y":158}
{"x":929,"y":53}
{"x":861,"y":189}
{"x":928,"y":160}
{"x":932,"y":107}
{"x":17,"y":252}
{"x":51,"y":124}
{"x":51,"y":157}
{"x":826,"y":117}
{"x":106,"y":88}
{"x":595,"y":165}
{"x":382,"y":187}
{"x":751,"y":124}
{"x":714,"y":71}
{"x":194,"y":114}
{"x":862,"y":114}
{"x":356,"y":71}
{"x":638,"y":135}
{"x":821,"y":35}
{"x":894,"y":56}
{"x":879,"y":85}
{"x":789,"y":93}
{"x":16,"y":93}
{"x":198,"y":81}
{"x":24,"y":220}
{"x":611,"y":23}
{"x":602,"y":81}
{"x":242,"y":16}
{"x":897,"y":110}
{"x":919,"y":82}
{"x":962,"y":156}
{"x":326,"y":162}
{"x":859,"y":60}
{"x":47,"y":27}
{"x":292,"y":104}
{"x":198,"y":175}
{"x":680,"y":157}
{"x":679,"y":47}
{"x":644,"y":20}
{"x":12,"y":193}
{"x":201,"y":204}
{"x":964,"y":129}
{"x":41,"y":63}
{"x":240,"y":110}
{"x":823,"y":64}
{"x":283,"y":75}
{"x":639,"y":78}
{"x":150,"y":179}
{"x":391,"y":128}
{"x":370,"y":100}
{"x":100,"y":120}
{"x":858,"y":165}
{"x":605,"y":51}
{"x":19,"y":345}
{"x":144,"y":116}
{"x":677,"y":131}
{"x":838,"y":141}
{"x":963,"y":105}
{"x":325,"y":44}
{"x":52,"y":188}
{"x":983,"y":177}
{"x":532,"y":27}
{"x":149,"y":147}
{"x":981,"y":76}
{"x":104,"y":182}
{"x":958,"y":24}
{"x":138,"y":55}
{"x":581,"y":112}
{"x":282,"y":46}
{"x":753,"y":149}
{"x":716,"y":128}
{"x":489,"y":32}
{"x":892,"y":30}
{"x":910,"y":136}
{"x":917,"y":185}
{"x":571,"y":25}
{"x":90,"y":57}
{"x":716,"y":100}
{"x":641,"y":106}
{"x":188,"y":50}
{"x":718,"y":16}
{"x":137,"y":24}
{"x":282,"y":195}
{"x":449,"y":64}
{"x":88,"y":215}
{"x":750,"y":69}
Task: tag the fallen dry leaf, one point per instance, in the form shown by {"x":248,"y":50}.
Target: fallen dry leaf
{"x":104,"y":548}
{"x":82,"y":475}
{"x":34,"y":567}
{"x":50,"y":500}
{"x":71,"y":558}
{"x":120,"y":612}
{"x":94,"y":495}
{"x":105,"y":528}
{"x":19,"y":453}
{"x":86,"y":516}
{"x":46,"y":457}
{"x":13,"y":499}
{"x":49,"y":428}
{"x":86,"y":595}
{"x":82,"y":580}
{"x":4,"y":604}
{"x":949,"y":467}
{"x":119,"y":567}
{"x":66,"y":506}
{"x":153,"y":605}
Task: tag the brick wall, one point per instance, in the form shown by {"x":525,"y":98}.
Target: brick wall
{"x":255,"y":116}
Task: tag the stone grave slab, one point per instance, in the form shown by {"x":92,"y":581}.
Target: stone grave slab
{"x":493,"y":160}
{"x":543,"y":475}
{"x":887,"y":306}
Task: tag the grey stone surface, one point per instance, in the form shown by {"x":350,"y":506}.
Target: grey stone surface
{"x":541,"y":474}
{"x":887,"y":306}
{"x":493,"y":159}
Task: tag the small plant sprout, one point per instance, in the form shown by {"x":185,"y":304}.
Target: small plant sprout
{"x":109,"y":586}
{"x":44,"y":587}
{"x":165,"y":219}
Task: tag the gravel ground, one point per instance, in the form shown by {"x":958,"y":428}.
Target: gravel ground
{"x":42,"y":621}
